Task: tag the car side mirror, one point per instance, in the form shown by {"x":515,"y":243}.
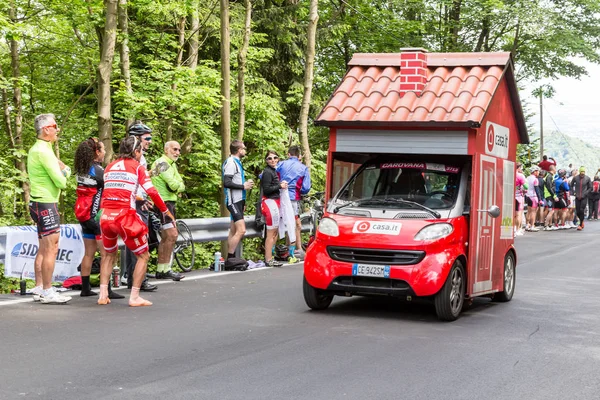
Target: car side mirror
{"x":493,"y":212}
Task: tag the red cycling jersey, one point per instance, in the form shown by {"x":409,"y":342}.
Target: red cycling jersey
{"x":121,"y":181}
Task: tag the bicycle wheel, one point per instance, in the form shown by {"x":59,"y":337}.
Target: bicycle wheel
{"x":184,"y":251}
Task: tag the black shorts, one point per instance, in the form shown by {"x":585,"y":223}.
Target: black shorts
{"x":561,"y":204}
{"x":166,"y":224}
{"x":46,"y":217}
{"x":237,"y":210}
{"x":91,"y":229}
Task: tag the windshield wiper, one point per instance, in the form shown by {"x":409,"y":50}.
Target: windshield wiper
{"x":351,"y":203}
{"x":388,"y":201}
{"x":412,"y":203}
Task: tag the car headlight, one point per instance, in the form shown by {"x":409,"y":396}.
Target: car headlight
{"x":329,"y":227}
{"x":434,"y":232}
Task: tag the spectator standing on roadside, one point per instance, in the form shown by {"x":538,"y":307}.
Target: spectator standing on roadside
{"x":562,"y":191}
{"x":550,"y":198}
{"x":539,"y":191}
{"x":168,"y":182}
{"x":90,"y":183}
{"x":533,"y":201}
{"x":520,"y":188}
{"x":270,"y":205}
{"x":581,"y":187}
{"x":235,"y":184}
{"x":594,"y":198}
{"x":47,"y":176}
{"x":571,"y":217}
{"x":546,"y":163}
{"x":297,"y":177}
{"x":144,"y":134}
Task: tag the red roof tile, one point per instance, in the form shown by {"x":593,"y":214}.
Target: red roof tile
{"x":458,"y":89}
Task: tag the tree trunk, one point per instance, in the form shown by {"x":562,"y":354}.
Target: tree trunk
{"x":181,"y":42}
{"x":454,"y":22}
{"x":226,"y":96}
{"x":194,"y":41}
{"x":104,"y":72}
{"x":308,"y":79}
{"x":18,"y":109}
{"x":242,"y":69}
{"x":124,"y":52}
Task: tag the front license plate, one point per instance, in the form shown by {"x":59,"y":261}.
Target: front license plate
{"x":381,"y":271}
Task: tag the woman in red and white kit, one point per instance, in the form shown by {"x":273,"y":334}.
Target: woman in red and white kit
{"x":119,"y":217}
{"x":270,"y":185}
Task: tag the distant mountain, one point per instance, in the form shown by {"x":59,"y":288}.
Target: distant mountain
{"x":571,"y":150}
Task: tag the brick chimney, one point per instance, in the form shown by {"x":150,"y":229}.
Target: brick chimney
{"x":413,"y":70}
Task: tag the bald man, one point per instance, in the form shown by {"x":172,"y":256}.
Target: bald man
{"x":168,"y":182}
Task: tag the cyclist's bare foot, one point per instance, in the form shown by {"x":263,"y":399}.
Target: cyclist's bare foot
{"x":104,"y":301}
{"x":139,"y":302}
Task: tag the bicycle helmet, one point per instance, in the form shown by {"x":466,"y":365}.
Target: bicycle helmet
{"x":562,"y":173}
{"x":138,"y":129}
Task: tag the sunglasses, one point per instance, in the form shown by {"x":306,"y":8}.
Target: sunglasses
{"x":51,"y":126}
{"x":148,"y":139}
{"x":272,"y":158}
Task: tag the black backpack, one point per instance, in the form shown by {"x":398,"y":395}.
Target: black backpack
{"x":235,"y":264}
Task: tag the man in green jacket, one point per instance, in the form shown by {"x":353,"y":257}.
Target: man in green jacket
{"x":47,"y":176}
{"x":168,"y":182}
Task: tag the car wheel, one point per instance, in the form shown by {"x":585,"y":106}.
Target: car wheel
{"x":316,"y":299}
{"x":449,"y":301}
{"x":510,"y":278}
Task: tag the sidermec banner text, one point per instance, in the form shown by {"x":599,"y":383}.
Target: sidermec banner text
{"x":22,"y":247}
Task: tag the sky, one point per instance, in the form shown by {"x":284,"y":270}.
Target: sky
{"x":575,"y":107}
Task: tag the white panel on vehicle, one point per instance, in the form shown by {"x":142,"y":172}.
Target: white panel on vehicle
{"x":406,"y":142}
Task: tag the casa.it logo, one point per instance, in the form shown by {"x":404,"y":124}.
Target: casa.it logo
{"x":496,"y":140}
{"x":363,"y":227}
{"x":491,"y":138}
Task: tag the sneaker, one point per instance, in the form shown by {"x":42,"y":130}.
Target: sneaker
{"x":547,"y":228}
{"x":55,"y":298}
{"x":292,"y":260}
{"x":273,"y":263}
{"x":37,"y":292}
{"x":300,"y":254}
{"x":579,"y":228}
{"x":170,"y":274}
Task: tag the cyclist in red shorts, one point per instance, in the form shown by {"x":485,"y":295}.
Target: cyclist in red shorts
{"x":119,"y":217}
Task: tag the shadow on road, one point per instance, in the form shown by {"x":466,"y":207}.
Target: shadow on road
{"x":396,"y":309}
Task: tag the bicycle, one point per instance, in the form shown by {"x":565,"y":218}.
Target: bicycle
{"x":184,"y":252}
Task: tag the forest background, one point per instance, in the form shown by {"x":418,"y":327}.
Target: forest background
{"x":205,"y":72}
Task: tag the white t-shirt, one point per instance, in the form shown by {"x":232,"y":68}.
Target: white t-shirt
{"x":532,"y":182}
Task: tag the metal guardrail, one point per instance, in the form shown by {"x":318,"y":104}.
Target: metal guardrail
{"x":203,"y":230}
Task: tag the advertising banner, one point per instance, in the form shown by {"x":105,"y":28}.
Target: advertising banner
{"x":22,"y":247}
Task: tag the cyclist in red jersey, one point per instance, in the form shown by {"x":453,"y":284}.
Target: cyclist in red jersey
{"x":119,"y":217}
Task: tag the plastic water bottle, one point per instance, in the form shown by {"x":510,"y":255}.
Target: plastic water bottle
{"x":217,"y":261}
{"x":116,"y":276}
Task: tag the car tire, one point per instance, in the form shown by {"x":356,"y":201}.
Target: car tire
{"x":510,"y":278}
{"x":450,"y":299}
{"x":316,"y":299}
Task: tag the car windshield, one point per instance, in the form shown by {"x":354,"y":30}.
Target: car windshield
{"x":432,"y":185}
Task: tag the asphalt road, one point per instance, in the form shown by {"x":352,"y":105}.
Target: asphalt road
{"x":250,"y":336}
